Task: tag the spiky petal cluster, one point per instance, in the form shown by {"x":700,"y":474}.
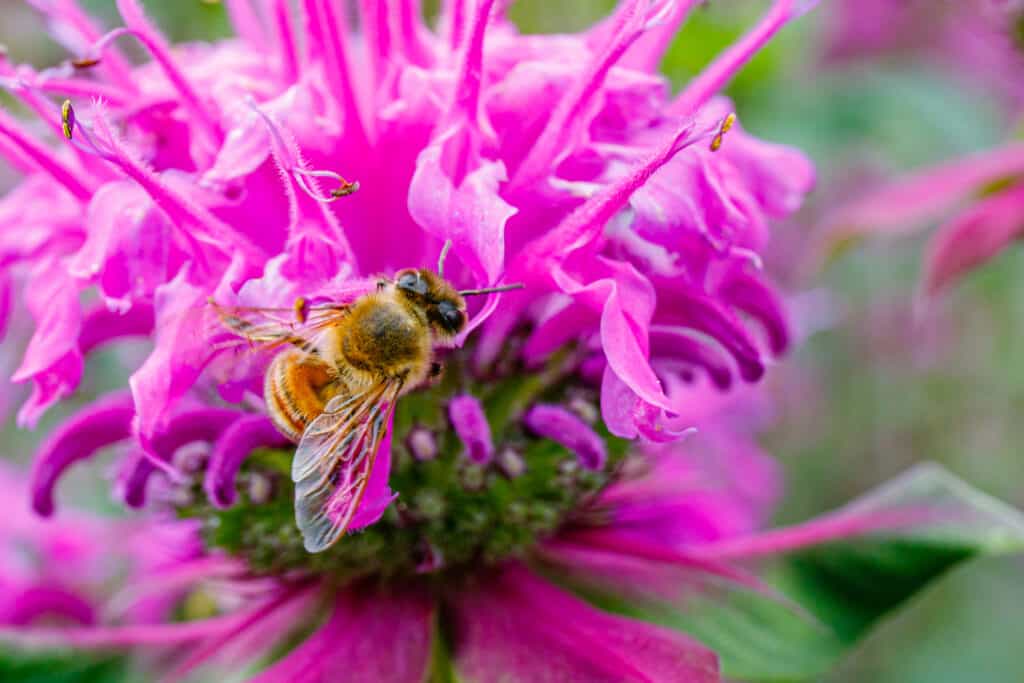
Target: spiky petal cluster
{"x":634,"y":218}
{"x":561,"y":161}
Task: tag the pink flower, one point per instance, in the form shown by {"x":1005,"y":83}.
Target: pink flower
{"x":303,"y":159}
{"x":63,"y":572}
{"x":983,"y":194}
{"x":977,"y":39}
{"x":505,"y":621}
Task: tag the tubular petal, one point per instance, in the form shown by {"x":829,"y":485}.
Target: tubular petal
{"x":233,"y":446}
{"x":561,"y":426}
{"x":470,"y":423}
{"x":519,"y":628}
{"x":725,"y":66}
{"x":105,"y":422}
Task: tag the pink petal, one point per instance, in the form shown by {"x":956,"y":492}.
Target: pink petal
{"x":369,"y":636}
{"x":470,"y":424}
{"x":378,"y":495}
{"x":234,"y":445}
{"x":973,"y":238}
{"x":563,"y":427}
{"x":919,"y":198}
{"x":52,"y":360}
{"x":471,"y":214}
{"x":102,"y":423}
{"x":180,"y":353}
{"x":518,"y":628}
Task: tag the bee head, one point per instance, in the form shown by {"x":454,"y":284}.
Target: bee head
{"x":444,"y":306}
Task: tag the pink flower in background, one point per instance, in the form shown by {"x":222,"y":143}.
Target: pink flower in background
{"x":65,"y":572}
{"x":980,"y":200}
{"x":979,"y":39}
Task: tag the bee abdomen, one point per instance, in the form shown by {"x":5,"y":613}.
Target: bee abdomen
{"x":296,"y":389}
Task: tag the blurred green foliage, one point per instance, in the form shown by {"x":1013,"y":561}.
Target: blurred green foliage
{"x":884,"y":386}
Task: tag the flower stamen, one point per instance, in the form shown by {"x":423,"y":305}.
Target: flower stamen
{"x":292,"y":163}
{"x":723,"y":128}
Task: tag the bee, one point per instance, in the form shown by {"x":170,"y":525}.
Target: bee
{"x":334,"y":386}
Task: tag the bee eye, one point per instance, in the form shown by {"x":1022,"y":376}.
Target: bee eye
{"x":451,"y":318}
{"x":411,"y":281}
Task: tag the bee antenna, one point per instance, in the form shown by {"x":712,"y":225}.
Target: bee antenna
{"x":491,"y":290}
{"x":444,"y":254}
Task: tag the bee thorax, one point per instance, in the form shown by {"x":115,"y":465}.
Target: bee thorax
{"x":383,"y":339}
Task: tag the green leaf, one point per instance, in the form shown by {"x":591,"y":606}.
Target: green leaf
{"x":836,"y":577}
{"x":59,"y":668}
{"x":846,"y":586}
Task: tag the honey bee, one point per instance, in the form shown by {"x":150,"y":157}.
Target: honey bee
{"x":333,"y":388}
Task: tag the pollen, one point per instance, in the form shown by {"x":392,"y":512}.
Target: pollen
{"x":301,"y":308}
{"x":726,"y":125}
{"x":67,"y":119}
{"x":345,"y":189}
{"x":85,"y":62}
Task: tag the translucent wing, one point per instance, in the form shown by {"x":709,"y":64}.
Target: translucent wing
{"x":269,"y":328}
{"x":334,"y":461}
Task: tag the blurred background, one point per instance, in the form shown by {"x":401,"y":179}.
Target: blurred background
{"x":867,"y":88}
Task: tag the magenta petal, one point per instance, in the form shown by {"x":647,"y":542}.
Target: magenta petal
{"x":753,"y":297}
{"x":180,"y":354}
{"x":129,"y":248}
{"x":974,"y":237}
{"x":102,"y":326}
{"x":378,"y":495}
{"x":912,"y":201}
{"x":671,"y":342}
{"x":587,"y":223}
{"x":105,"y":637}
{"x":6,"y":299}
{"x":104,"y":422}
{"x":925,"y":500}
{"x":203,"y":424}
{"x":558,"y":424}
{"x":520,"y":629}
{"x":45,"y":602}
{"x":233,"y":446}
{"x":471,"y":214}
{"x":470,"y":423}
{"x":349,"y":645}
{"x":52,"y":360}
{"x":569,"y":324}
{"x":725,"y":66}
{"x":706,"y":314}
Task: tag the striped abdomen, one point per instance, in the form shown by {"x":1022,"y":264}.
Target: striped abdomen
{"x":296,"y":389}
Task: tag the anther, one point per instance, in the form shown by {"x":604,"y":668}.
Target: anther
{"x":85,"y":62}
{"x":301,"y":308}
{"x":723,"y":128}
{"x":345,"y":189}
{"x":67,"y":118}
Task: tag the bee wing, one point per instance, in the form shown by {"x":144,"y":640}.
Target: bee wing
{"x":334,"y":460}
{"x":270,"y":328}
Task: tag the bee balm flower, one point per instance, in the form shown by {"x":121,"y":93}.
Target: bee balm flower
{"x":289,"y":168}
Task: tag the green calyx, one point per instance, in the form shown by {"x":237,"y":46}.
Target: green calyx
{"x":451,"y":515}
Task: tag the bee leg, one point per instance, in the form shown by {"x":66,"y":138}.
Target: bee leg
{"x":435,"y":370}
